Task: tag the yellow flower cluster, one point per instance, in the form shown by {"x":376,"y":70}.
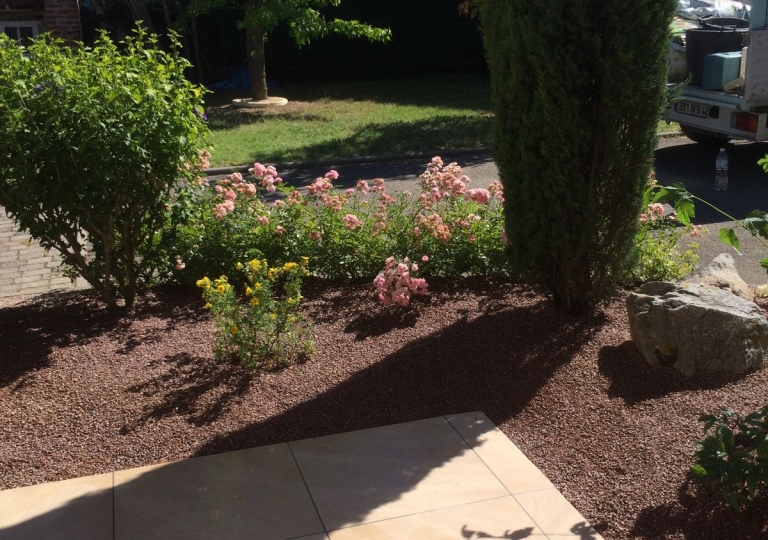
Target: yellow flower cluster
{"x":204,"y":283}
{"x":256,"y":264}
{"x":222,"y":285}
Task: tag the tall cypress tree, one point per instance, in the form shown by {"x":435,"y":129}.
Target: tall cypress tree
{"x":578,"y":88}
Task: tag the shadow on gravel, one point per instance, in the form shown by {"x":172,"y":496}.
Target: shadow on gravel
{"x":634,"y":381}
{"x":201,"y":389}
{"x":455,"y":369}
{"x":31,"y":331}
{"x":692,"y":515}
{"x":377,"y":324}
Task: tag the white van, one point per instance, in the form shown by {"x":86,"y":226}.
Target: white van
{"x":727,"y":97}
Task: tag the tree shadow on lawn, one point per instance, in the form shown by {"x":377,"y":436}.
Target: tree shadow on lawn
{"x":626,"y":369}
{"x":231,"y":117}
{"x":32,"y":330}
{"x":436,"y":135}
{"x":471,"y":92}
{"x":697,"y":507}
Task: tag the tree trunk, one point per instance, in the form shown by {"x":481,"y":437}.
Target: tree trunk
{"x":254,"y":38}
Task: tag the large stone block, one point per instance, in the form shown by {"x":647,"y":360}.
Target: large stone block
{"x":697,"y":328}
{"x":722,"y":273}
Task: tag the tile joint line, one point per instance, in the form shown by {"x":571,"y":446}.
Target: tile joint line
{"x":494,"y":472}
{"x":309,"y":492}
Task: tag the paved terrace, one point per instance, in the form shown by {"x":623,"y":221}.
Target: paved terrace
{"x":452,"y":477}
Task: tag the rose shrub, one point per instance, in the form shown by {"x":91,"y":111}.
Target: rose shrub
{"x":347,"y":234}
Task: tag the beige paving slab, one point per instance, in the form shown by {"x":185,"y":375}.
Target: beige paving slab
{"x":392,"y":471}
{"x":555,"y":515}
{"x":245,"y":495}
{"x":75,"y":509}
{"x":496,"y":518}
{"x":501,"y":455}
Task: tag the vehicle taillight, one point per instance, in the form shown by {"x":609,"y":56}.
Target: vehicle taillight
{"x":746,"y":122}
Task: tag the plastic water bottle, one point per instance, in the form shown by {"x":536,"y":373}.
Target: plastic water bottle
{"x":721,"y":171}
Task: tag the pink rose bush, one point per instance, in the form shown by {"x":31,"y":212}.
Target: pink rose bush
{"x":395,"y":284}
{"x":348,"y":231}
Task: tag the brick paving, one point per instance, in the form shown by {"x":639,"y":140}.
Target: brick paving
{"x":27,"y":268}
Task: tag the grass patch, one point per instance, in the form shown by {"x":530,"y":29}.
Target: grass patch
{"x":338,"y":120}
{"x":666,"y":127}
{"x":354,"y":119}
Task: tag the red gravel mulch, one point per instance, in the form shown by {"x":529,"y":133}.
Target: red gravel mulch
{"x":83,"y":391}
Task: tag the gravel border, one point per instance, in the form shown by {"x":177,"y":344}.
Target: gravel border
{"x":86,"y":392}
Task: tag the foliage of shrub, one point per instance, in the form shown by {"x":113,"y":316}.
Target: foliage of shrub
{"x":93,"y":144}
{"x":347,"y":234}
{"x":578,"y":89}
{"x":756,"y":222}
{"x":657,"y":243}
{"x":268,"y":330}
{"x":733,"y":456}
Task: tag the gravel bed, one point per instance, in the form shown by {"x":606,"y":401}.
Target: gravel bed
{"x":84,"y":392}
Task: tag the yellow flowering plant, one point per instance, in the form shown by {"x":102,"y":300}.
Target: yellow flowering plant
{"x":265,"y":328}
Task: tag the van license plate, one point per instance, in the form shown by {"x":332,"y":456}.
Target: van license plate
{"x":692,"y":109}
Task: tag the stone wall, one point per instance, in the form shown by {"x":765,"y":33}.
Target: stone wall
{"x":27,"y":268}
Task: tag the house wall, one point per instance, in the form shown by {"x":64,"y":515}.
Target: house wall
{"x":60,"y":17}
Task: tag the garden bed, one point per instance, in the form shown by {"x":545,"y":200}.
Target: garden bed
{"x":84,"y":392}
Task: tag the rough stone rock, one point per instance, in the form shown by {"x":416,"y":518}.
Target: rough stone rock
{"x":697,"y":328}
{"x":722,"y":273}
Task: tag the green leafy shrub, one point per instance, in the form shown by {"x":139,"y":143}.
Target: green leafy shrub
{"x":93,"y":144}
{"x":659,"y":255}
{"x":756,"y":222}
{"x":578,"y":89}
{"x":268,"y":330}
{"x":347,"y":234}
{"x":733,"y":456}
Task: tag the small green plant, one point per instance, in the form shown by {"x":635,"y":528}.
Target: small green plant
{"x":733,"y":456}
{"x":266,"y":330}
{"x":659,"y":257}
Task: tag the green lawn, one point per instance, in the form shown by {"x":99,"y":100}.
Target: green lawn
{"x":356,"y":119}
{"x":337,"y":120}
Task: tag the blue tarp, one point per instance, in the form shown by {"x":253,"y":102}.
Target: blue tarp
{"x":239,"y":79}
